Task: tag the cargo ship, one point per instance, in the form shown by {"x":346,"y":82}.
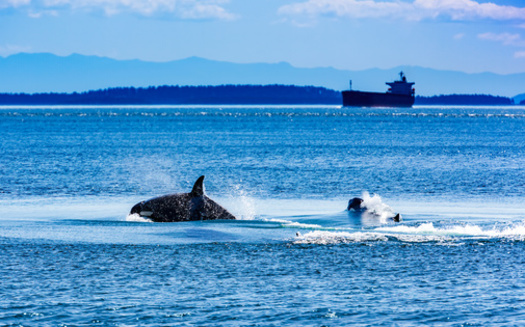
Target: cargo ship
{"x":400,"y":94}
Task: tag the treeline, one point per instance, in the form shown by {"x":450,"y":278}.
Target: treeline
{"x":223,"y":94}
{"x":464,"y":99}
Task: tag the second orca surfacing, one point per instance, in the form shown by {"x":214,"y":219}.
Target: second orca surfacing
{"x":182,"y":207}
{"x":357,"y":205}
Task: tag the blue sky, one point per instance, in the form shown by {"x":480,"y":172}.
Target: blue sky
{"x":462,"y":35}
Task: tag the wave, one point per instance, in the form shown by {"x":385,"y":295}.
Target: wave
{"x":425,"y":232}
{"x":326,"y":237}
{"x":516,"y":230}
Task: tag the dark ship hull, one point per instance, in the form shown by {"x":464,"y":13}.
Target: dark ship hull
{"x":374,"y":99}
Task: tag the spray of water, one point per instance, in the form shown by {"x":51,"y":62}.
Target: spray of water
{"x":137,"y":218}
{"x":240,"y":204}
{"x":376,"y":207}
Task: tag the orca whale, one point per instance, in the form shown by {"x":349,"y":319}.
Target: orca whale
{"x":356,"y":205}
{"x":182,"y":206}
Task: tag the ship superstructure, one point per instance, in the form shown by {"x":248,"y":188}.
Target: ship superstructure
{"x":400,"y":94}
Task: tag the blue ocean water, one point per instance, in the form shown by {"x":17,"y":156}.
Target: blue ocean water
{"x":71,"y":256}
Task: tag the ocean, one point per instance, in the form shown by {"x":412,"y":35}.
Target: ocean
{"x":72,"y":256}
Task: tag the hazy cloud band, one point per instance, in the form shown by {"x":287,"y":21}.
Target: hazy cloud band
{"x":415,"y":10}
{"x":184,"y":9}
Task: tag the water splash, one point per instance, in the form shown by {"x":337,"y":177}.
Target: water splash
{"x":376,"y":208}
{"x":241,"y":204}
{"x":135,"y":217}
{"x":514,"y":231}
{"x":424,"y":232}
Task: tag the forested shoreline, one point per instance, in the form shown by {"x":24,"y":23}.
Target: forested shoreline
{"x":224,"y":94}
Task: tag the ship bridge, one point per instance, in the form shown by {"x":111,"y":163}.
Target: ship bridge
{"x":401,"y":86}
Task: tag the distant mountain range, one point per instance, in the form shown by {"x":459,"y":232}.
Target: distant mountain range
{"x":43,"y":72}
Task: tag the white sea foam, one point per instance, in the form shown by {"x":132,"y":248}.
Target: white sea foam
{"x":425,"y":232}
{"x":327,"y":237}
{"x":516,"y":230}
{"x":135,"y":217}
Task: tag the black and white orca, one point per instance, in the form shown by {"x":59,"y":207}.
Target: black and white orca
{"x":182,"y":207}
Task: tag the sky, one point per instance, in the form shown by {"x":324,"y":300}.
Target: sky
{"x":462,"y":35}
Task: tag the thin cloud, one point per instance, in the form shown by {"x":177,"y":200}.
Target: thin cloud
{"x":13,"y":3}
{"x":459,"y":36}
{"x":504,"y":38}
{"x":184,"y":9}
{"x":456,"y":10}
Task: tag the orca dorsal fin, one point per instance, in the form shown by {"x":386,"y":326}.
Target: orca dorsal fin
{"x":198,"y":187}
